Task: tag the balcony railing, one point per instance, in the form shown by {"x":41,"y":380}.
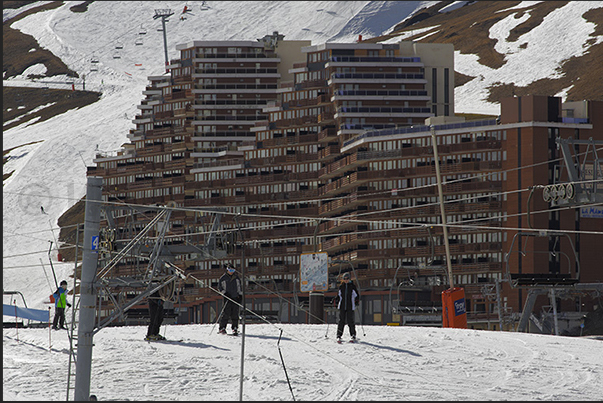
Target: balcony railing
{"x":421,"y":128}
{"x":378,"y":76}
{"x":347,"y":109}
{"x":375,"y":59}
{"x":389,"y":93}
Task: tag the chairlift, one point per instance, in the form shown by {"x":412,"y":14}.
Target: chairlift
{"x":93,"y":63}
{"x":116,"y":55}
{"x":204,"y":6}
{"x":143,"y":30}
{"x":119,"y":45}
{"x":138,"y":42}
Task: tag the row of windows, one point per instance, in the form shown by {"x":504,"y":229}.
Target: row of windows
{"x":465,"y":239}
{"x":256,"y":190}
{"x":169,"y":89}
{"x":412,"y":162}
{"x":229,"y":50}
{"x":169,"y":106}
{"x":141,"y":194}
{"x":299,"y":95}
{"x":295,"y":113}
{"x":281,"y":151}
{"x":184,"y":71}
{"x":266,"y":135}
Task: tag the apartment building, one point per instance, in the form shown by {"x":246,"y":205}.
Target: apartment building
{"x":328,"y":148}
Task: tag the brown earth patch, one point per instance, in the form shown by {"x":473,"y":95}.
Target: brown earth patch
{"x":18,"y":101}
{"x":16,"y":47}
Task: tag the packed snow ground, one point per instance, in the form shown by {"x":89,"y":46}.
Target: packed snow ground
{"x":389,"y":363}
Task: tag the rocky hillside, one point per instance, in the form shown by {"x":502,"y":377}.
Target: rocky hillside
{"x":468,"y":28}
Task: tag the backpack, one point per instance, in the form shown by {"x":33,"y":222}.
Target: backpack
{"x":52,"y":300}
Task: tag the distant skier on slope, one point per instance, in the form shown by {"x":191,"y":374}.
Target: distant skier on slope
{"x":230,"y":286}
{"x":60,"y":302}
{"x":347,"y":300}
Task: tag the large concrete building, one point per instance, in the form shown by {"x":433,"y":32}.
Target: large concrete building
{"x":269,"y":150}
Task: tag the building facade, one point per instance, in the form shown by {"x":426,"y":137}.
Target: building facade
{"x":328,"y":149}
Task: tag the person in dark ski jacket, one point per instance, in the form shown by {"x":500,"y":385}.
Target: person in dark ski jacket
{"x":230,"y":286}
{"x":155,"y":317}
{"x":60,"y":302}
{"x":347,"y":300}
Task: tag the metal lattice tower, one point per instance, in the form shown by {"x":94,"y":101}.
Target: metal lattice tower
{"x":164,"y":14}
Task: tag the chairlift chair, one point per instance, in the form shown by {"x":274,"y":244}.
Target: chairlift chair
{"x":138,"y":42}
{"x":119,"y":45}
{"x":93,"y":64}
{"x":142,"y":31}
{"x":116,"y":55}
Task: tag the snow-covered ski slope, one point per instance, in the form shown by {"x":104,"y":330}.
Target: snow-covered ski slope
{"x":390,"y":363}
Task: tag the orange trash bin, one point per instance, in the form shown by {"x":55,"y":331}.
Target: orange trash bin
{"x":454,"y":311}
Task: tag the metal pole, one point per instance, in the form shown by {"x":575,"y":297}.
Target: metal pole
{"x":554,"y":303}
{"x":499,"y":305}
{"x":51,"y":266}
{"x":77,"y":253}
{"x":441,"y":197}
{"x":165,"y":42}
{"x":244,"y":310}
{"x":87,"y":291}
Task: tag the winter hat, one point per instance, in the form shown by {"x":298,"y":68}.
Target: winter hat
{"x":346,"y":276}
{"x":63,"y":282}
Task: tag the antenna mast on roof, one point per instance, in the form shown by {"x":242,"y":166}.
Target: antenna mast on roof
{"x":164,"y":14}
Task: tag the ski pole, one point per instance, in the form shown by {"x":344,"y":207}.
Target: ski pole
{"x":283,"y":361}
{"x":327,"y":332}
{"x":218,"y":320}
{"x":360,"y":315}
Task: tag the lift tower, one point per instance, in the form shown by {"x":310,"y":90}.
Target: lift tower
{"x":164,"y":14}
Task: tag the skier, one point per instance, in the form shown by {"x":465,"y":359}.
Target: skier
{"x":155,"y":317}
{"x":230,"y":286}
{"x":347,"y":300}
{"x":60,"y":301}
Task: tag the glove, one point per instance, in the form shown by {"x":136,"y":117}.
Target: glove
{"x":68,"y":304}
{"x":239,"y":299}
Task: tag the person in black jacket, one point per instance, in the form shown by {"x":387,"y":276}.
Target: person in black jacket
{"x":347,"y":300}
{"x":232,"y":290}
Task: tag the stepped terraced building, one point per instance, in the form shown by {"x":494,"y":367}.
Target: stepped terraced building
{"x":271,"y":149}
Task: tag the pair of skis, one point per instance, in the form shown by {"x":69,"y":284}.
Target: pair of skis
{"x":230,"y":334}
{"x":339,"y":341}
{"x":164,"y":341}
